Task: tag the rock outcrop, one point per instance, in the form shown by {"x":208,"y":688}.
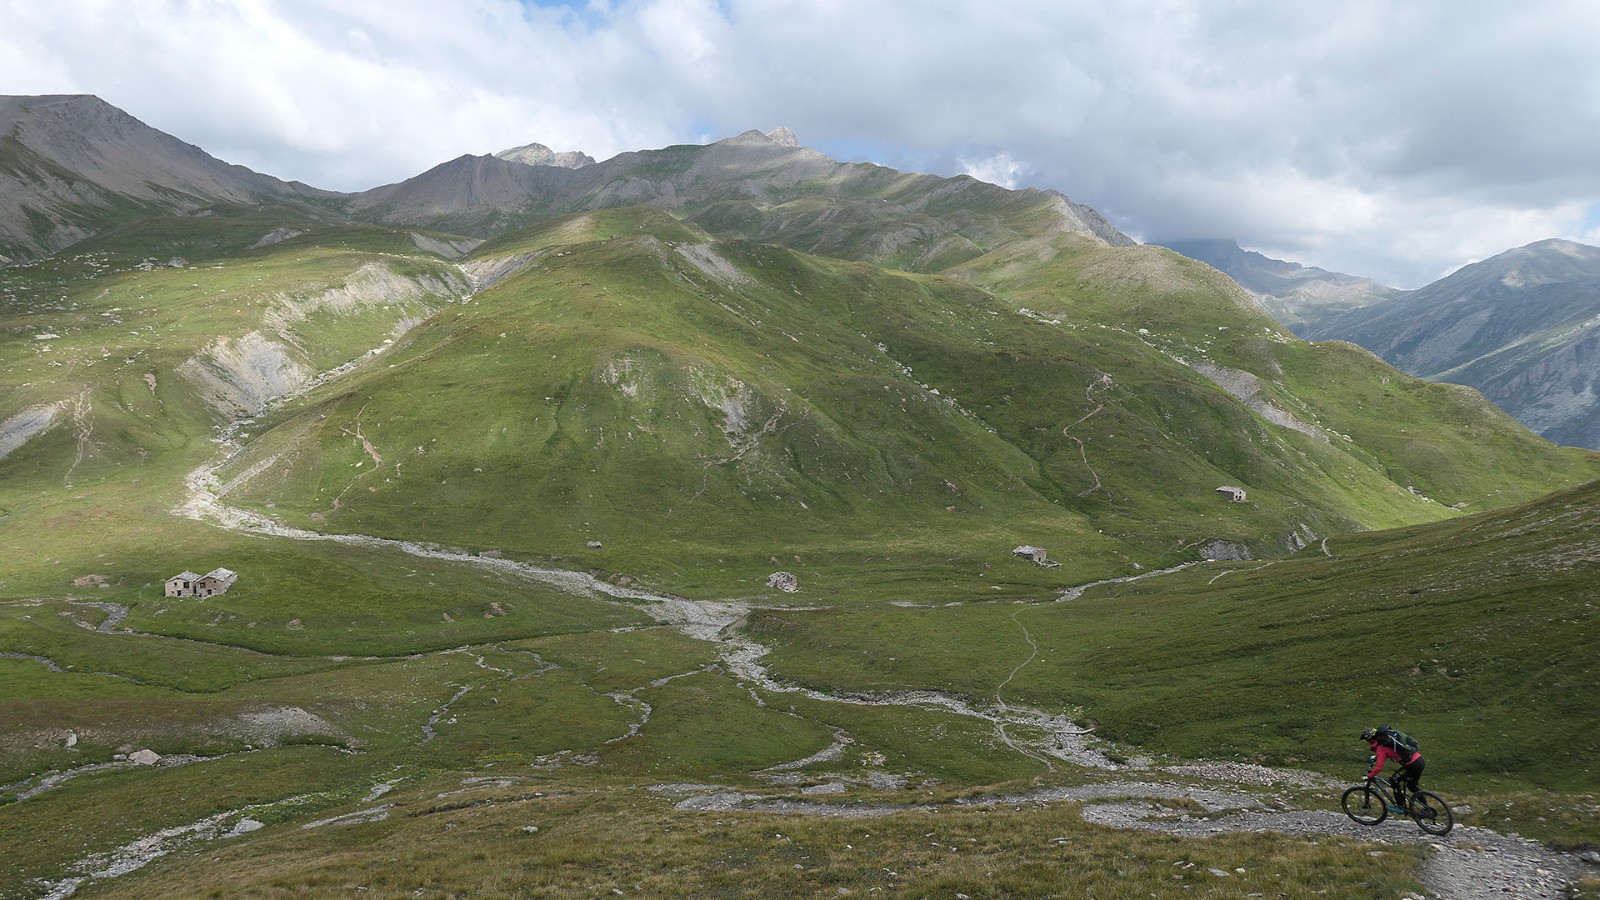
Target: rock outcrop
{"x":540,"y":155}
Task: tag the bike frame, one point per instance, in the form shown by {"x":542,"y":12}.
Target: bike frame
{"x":1382,"y":784}
{"x":1428,"y":816}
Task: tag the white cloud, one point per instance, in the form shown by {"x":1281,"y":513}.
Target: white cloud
{"x":998,"y":169}
{"x":1387,"y":139}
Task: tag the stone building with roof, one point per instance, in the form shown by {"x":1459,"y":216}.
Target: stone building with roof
{"x":182,"y":584}
{"x":212,"y":584}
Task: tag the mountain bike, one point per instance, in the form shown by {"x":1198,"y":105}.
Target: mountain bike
{"x":1370,"y":804}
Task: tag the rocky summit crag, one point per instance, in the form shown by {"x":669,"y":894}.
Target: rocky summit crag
{"x":540,"y":155}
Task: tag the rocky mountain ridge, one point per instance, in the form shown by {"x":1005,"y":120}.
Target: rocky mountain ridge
{"x":1301,"y":297}
{"x":756,"y":186}
{"x":1523,"y":327}
{"x":75,"y":165}
{"x":72,"y":164}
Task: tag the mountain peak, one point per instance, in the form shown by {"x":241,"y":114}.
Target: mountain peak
{"x":540,"y":155}
{"x":81,"y":164}
{"x":16,"y":111}
{"x":778,"y":137}
{"x":1542,"y":262}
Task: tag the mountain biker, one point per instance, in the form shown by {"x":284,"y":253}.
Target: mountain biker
{"x":1385,"y":748}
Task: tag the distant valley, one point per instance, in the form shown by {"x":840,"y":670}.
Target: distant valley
{"x":727,"y":519}
{"x":1523,"y":327}
{"x":1303,"y":298}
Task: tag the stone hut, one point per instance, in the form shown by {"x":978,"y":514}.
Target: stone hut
{"x":1037,"y":555}
{"x":1235,"y":494}
{"x":182,"y":584}
{"x":215,"y":582}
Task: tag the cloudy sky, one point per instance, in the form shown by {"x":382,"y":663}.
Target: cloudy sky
{"x":1377,"y":137}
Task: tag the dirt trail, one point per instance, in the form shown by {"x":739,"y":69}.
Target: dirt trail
{"x":1466,"y":864}
{"x":1100,"y":385}
{"x":1005,"y":709}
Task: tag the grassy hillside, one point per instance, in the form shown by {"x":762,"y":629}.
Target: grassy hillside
{"x":709,"y":412}
{"x":119,"y":362}
{"x":1438,"y":441}
{"x":1478,"y":635}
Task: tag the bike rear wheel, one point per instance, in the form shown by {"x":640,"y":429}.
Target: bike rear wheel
{"x":1431,"y":813}
{"x":1365,"y":804}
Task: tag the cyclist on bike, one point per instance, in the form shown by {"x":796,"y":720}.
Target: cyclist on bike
{"x":1384,"y":748}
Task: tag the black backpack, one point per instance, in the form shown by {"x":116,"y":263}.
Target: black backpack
{"x":1399,"y":741}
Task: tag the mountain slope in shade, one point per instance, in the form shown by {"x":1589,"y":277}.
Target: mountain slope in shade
{"x":1523,"y":327}
{"x":755,"y":186}
{"x":72,"y":164}
{"x":1301,"y":297}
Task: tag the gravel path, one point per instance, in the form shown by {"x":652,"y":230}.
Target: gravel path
{"x":1467,"y":864}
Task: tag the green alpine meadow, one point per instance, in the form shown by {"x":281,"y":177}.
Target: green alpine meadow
{"x":730,"y":521}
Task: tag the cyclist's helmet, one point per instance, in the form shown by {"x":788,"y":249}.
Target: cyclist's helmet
{"x":1369,"y":735}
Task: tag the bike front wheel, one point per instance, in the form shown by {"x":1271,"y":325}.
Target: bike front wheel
{"x":1365,"y":804}
{"x":1431,"y":813}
